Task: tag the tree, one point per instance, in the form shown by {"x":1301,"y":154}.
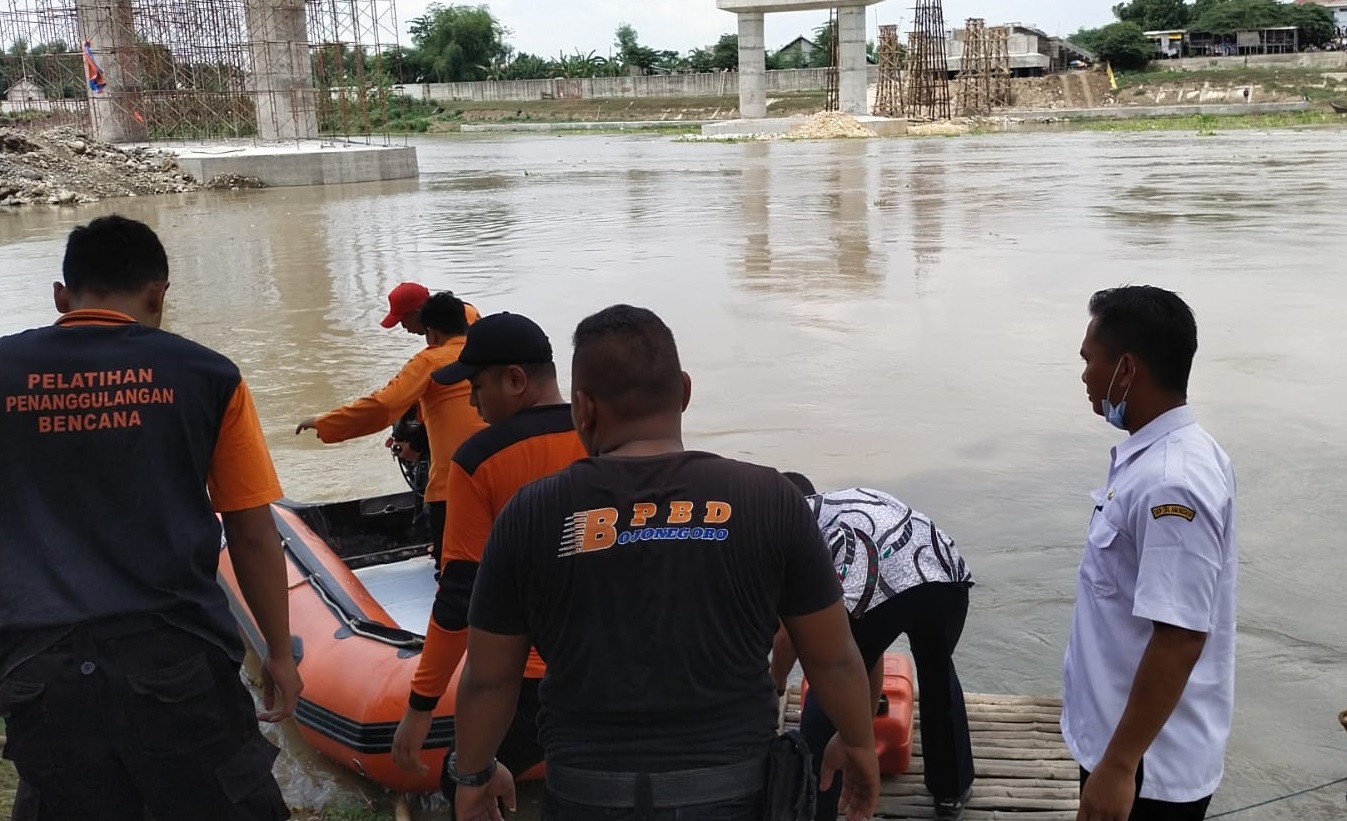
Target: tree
{"x":1316,"y":23}
{"x":458,"y":43}
{"x":636,"y":58}
{"x":1087,"y":39}
{"x":725,"y":53}
{"x":1124,"y":45}
{"x":1153,"y":15}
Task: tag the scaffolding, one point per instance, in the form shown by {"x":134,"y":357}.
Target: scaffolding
{"x":928,"y":86}
{"x":889,"y":93}
{"x":186,"y":70}
{"x":998,"y":38}
{"x":833,"y":102}
{"x":975,"y":75}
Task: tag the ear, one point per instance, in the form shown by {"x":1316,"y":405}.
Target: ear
{"x":582,"y":412}
{"x":60,"y":295}
{"x":687,"y":390}
{"x":154,"y":298}
{"x":516,"y":381}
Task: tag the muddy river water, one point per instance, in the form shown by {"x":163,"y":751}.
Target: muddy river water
{"x":900,"y":314}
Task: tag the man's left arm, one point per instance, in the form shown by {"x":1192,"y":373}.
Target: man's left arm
{"x":498,"y":648}
{"x":1179,"y":539}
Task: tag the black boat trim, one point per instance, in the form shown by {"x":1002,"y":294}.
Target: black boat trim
{"x":345,"y":608}
{"x":368,"y":739}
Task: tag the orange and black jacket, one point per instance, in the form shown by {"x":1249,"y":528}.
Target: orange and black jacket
{"x":484,"y":474}
{"x":445,"y":410}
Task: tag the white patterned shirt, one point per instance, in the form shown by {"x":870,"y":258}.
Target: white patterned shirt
{"x":881,"y":547}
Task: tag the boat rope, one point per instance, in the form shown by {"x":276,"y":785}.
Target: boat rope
{"x":1280,"y":798}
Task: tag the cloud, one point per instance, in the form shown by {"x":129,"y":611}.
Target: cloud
{"x":548,"y":27}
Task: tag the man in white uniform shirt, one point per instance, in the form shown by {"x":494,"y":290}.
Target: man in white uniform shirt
{"x":1148,"y":684}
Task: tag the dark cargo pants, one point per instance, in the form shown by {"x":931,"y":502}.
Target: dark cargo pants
{"x":136,"y":716}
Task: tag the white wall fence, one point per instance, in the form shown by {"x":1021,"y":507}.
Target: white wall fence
{"x":720,"y":84}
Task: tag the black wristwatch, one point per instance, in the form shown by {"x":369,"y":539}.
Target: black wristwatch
{"x":470,"y":779}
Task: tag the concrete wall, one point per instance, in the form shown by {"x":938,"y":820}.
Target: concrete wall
{"x":1310,"y":59}
{"x":723,"y":84}
{"x":328,"y":166}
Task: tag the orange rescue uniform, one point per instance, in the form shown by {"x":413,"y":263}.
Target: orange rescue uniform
{"x":484,"y":474}
{"x":449,"y":417}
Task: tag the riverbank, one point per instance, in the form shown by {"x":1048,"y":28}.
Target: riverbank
{"x":64,"y":166}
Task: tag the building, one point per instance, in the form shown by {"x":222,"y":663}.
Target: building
{"x":1033,"y":52}
{"x":1169,"y":45}
{"x":801,"y":50}
{"x":25,"y":91}
{"x":1338,"y":7}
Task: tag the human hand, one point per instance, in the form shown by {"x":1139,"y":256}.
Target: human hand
{"x":281,"y":686}
{"x":308,"y":424}
{"x":859,"y":768}
{"x":483,"y":803}
{"x":1109,"y":792}
{"x":409,"y":738}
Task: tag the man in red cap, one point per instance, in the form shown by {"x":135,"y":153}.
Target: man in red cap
{"x":404,"y":308}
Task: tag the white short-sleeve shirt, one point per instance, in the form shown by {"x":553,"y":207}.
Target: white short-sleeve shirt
{"x":1160,"y":548}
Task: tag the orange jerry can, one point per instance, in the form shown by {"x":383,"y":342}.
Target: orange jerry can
{"x":893,"y":724}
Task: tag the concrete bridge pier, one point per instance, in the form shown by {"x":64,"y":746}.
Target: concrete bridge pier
{"x":851,"y":60}
{"x":115,"y":112}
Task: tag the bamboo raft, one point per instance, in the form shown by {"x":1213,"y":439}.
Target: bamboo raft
{"x":1024,"y":770}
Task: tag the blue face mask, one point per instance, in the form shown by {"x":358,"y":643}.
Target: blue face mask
{"x":1115,"y":414}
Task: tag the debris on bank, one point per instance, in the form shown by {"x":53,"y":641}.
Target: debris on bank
{"x":65,"y":166}
{"x":830,"y":125}
{"x":232,"y":182}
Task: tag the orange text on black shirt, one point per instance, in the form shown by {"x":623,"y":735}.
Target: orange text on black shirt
{"x":589,"y":531}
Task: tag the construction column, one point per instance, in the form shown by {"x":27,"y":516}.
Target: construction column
{"x":853,"y":68}
{"x":115,"y":111}
{"x":282,"y":79}
{"x":752,"y":66}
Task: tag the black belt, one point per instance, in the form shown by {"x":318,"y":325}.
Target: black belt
{"x":657,"y":791}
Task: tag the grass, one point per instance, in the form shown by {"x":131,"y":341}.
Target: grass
{"x":1208,"y":124}
{"x":450,"y":116}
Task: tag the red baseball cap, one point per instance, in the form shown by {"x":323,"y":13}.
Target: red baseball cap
{"x":405,"y":299}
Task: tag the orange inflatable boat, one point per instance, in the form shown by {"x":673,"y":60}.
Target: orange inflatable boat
{"x":361,"y":585}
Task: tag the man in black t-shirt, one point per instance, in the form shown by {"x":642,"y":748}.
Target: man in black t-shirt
{"x":651,"y":581}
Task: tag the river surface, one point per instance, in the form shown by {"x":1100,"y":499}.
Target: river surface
{"x":901,"y":314}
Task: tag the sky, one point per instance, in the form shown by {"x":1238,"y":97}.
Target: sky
{"x":547,"y":27}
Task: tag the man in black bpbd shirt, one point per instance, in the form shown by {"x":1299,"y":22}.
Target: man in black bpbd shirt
{"x":651,"y":580}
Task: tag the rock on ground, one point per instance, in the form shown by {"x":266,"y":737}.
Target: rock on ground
{"x":65,"y":166}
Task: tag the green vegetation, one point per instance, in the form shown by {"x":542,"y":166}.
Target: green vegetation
{"x":409,"y":116}
{"x":462,"y":43}
{"x":1208,"y":125}
{"x":1315,"y":22}
{"x":1123,"y":45}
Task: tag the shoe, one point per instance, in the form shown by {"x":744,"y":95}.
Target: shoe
{"x":951,"y":809}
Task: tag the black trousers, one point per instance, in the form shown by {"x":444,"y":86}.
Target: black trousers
{"x":437,"y":513}
{"x":521,"y":750}
{"x":111,"y":725}
{"x":932,"y":616}
{"x":1148,"y":809}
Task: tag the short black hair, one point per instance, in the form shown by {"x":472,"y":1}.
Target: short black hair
{"x":1152,"y":324}
{"x":445,"y":313}
{"x":626,"y":357}
{"x":802,"y":482}
{"x":113,"y":255}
